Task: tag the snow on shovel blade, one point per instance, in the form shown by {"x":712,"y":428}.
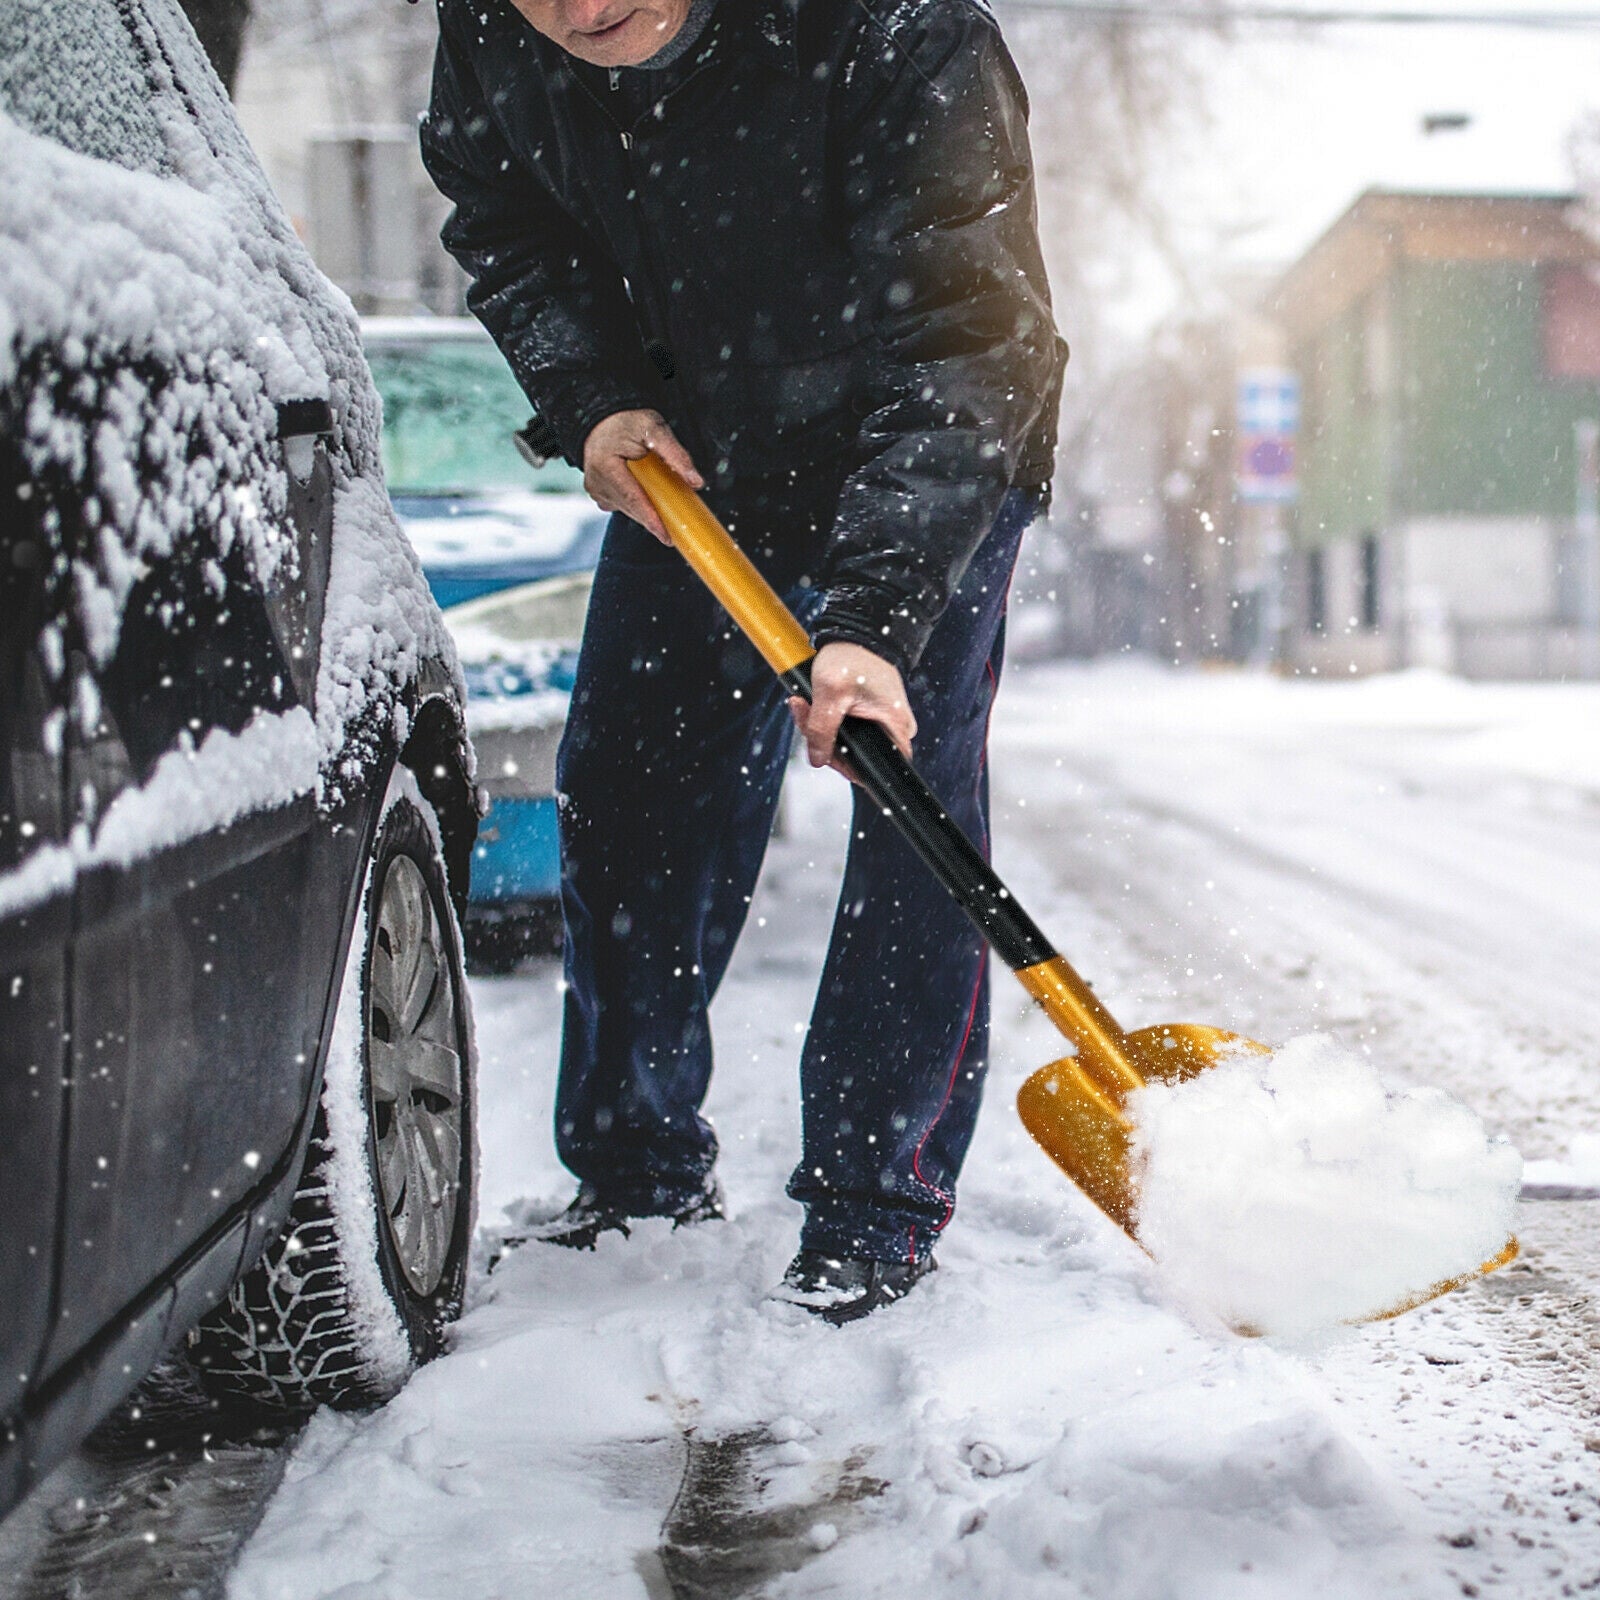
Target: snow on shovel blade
{"x":1076,"y":1115}
{"x":1080,"y":1122}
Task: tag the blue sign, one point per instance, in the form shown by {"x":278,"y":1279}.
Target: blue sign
{"x":1268,"y":422}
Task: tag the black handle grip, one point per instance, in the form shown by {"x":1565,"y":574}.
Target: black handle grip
{"x":950,"y":855}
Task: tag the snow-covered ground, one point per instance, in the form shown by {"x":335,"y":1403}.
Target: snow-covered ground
{"x":1411,"y":864}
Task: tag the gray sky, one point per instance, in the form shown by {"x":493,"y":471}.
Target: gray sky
{"x":1302,"y":120}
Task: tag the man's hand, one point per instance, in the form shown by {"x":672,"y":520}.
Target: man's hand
{"x":628,"y":436}
{"x":847,"y":680}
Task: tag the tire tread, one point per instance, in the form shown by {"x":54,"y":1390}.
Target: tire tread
{"x":286,"y":1339}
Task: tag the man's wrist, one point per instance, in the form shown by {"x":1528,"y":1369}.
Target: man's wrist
{"x":875,"y":617}
{"x":880,"y":642}
{"x":570,"y":408}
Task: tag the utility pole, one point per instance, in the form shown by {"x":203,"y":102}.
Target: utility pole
{"x":1586,"y":524}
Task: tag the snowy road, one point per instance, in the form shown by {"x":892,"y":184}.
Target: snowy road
{"x":1410,"y":864}
{"x":1413,"y":865}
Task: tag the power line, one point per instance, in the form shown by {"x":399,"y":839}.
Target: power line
{"x":1210,"y":16}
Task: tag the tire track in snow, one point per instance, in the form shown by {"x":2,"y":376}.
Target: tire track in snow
{"x":1444,"y":1003}
{"x":722,"y":1540}
{"x":153,"y":1512}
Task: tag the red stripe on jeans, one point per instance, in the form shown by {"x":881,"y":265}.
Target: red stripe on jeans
{"x":966,"y":1036}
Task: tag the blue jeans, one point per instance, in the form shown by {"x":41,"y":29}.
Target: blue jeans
{"x":669,"y":773}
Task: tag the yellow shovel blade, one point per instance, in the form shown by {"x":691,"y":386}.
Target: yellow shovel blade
{"x":1085,"y":1131}
{"x":1509,"y":1252}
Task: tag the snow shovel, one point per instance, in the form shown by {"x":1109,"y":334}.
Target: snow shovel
{"x":1074,"y":1107}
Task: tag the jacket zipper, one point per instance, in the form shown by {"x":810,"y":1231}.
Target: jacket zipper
{"x":614,"y":79}
{"x":625,"y":136}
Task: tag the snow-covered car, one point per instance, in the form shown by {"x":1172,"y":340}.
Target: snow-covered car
{"x":509,"y":547}
{"x":236,"y":797}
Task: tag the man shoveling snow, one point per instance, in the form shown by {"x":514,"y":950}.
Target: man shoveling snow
{"x":796,"y":245}
{"x":883,"y":555}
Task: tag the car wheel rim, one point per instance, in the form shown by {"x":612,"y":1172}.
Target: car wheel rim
{"x":414,"y":1075}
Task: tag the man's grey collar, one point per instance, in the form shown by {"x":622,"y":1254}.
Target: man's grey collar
{"x":683,"y":41}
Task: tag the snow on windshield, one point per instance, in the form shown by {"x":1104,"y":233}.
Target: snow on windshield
{"x":450,"y":410}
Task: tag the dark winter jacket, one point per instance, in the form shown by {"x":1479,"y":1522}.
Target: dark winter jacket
{"x":810,"y":243}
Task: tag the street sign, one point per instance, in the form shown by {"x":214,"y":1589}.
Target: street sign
{"x":1268,"y":420}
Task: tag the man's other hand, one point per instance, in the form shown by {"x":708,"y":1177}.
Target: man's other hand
{"x":628,"y":436}
{"x":847,"y":680}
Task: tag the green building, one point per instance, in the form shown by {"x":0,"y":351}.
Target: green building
{"x":1448,"y":348}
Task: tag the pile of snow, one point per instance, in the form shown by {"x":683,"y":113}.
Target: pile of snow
{"x":1290,"y":1192}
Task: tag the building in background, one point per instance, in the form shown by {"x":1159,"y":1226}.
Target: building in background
{"x":1389,"y":458}
{"x":329,"y":94}
{"x":1448,"y":348}
{"x":1171,"y":551}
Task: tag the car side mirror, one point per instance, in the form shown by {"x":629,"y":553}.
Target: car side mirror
{"x":300,"y":424}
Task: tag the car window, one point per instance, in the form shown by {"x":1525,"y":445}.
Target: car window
{"x":73,"y":74}
{"x":195,"y":652}
{"x":31,"y":657}
{"x":450,"y":408}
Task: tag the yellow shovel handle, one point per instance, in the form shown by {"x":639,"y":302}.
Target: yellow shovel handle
{"x":724,"y":568}
{"x":747,"y":597}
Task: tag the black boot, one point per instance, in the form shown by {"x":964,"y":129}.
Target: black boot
{"x":579,"y":1227}
{"x":593,"y":1212}
{"x":842,"y":1289}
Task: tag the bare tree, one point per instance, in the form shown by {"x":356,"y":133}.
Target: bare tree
{"x":221,"y":25}
{"x":1111,"y":99}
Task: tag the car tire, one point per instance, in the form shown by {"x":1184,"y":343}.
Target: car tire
{"x":371,"y":1267}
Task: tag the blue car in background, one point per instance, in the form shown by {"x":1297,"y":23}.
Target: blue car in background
{"x":509,"y":550}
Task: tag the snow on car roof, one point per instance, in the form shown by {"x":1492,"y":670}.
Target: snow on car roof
{"x":163,"y":298}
